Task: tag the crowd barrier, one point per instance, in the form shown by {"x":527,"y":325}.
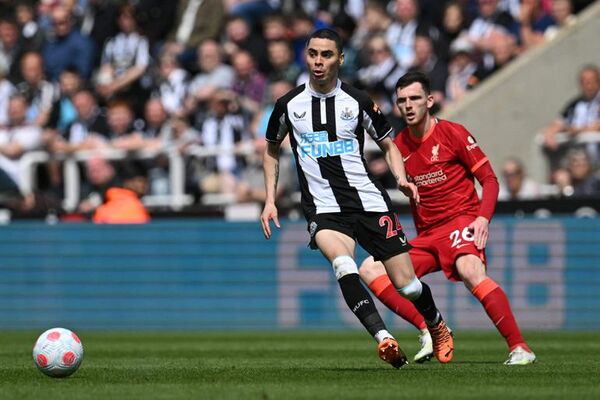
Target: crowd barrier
{"x":217,"y":275}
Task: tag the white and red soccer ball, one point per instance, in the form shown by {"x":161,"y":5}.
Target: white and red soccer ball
{"x":58,"y":352}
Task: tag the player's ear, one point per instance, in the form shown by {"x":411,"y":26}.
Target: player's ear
{"x":341,"y":61}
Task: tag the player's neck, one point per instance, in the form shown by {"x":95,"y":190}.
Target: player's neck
{"x":325,"y":87}
{"x":419,"y":130}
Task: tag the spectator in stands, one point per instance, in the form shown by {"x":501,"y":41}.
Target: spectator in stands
{"x":63,"y":112}
{"x":31,"y":36}
{"x":197,"y":21}
{"x":171,"y":87}
{"x":515,"y":184}
{"x":9,"y":49}
{"x":125,"y":59}
{"x":381,"y":72}
{"x":406,"y":27}
{"x":39,"y":92}
{"x":454,"y":25}
{"x":578,"y":178}
{"x":239,"y":36}
{"x":100,"y":175}
{"x":248,"y":82}
{"x":122,"y":132}
{"x":375,"y":21}
{"x":156,"y":19}
{"x":67,"y":48}
{"x":99,"y":23}
{"x":6,"y":91}
{"x":122,"y":203}
{"x":503,"y":51}
{"x":88,"y":131}
{"x":226,"y":129}
{"x":16,"y":139}
{"x":275,"y":27}
{"x":260,"y":120}
{"x":462,"y":66}
{"x":491,"y":26}
{"x":281,"y":58}
{"x":427,"y":62}
{"x":214,"y":74}
{"x":155,"y":119}
{"x":562,"y":13}
{"x":579,"y":116}
{"x":533,"y":23}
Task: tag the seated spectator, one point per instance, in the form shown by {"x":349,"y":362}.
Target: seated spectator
{"x":503,"y":51}
{"x":67,"y":48}
{"x":9,"y":48}
{"x":462,"y":66}
{"x":122,"y":203}
{"x":100,"y":175}
{"x":214,"y":74}
{"x":275,"y":27}
{"x":562,"y":13}
{"x":248,"y":82}
{"x":16,"y":139}
{"x":239,"y":36}
{"x":6,"y":91}
{"x":578,"y":178}
{"x":122,"y":133}
{"x":171,"y":87}
{"x":491,"y":25}
{"x":125,"y":59}
{"x":38,"y":91}
{"x":226,"y":129}
{"x":533,"y":23}
{"x":455,"y":22}
{"x":281,"y":58}
{"x":579,"y":116}
{"x":515,"y":184}
{"x":427,"y":62}
{"x":63,"y":112}
{"x":31,"y":36}
{"x":88,"y":131}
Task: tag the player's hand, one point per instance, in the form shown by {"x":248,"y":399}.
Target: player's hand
{"x":269,"y":213}
{"x":479,"y":228}
{"x":410,"y":190}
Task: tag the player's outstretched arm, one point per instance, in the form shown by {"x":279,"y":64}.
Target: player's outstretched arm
{"x":394,"y":160}
{"x":271,"y":171}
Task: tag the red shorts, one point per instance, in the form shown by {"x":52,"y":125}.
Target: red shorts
{"x":438,"y":248}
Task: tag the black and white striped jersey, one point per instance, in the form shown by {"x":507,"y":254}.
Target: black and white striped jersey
{"x":327,"y":135}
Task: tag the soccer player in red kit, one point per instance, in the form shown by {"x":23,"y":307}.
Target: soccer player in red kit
{"x":442,"y":158}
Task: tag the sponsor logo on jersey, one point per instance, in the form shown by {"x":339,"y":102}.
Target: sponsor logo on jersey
{"x":298,"y":117}
{"x":317,"y":145}
{"x":430,"y":178}
{"x":472,"y":144}
{"x":347,"y":114}
{"x":435,"y":153}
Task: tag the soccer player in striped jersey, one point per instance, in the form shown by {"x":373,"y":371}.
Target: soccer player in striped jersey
{"x":442,"y":158}
{"x":327,"y":121}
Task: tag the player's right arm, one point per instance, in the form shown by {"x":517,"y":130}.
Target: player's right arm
{"x":276,"y":132}
{"x":271,"y":171}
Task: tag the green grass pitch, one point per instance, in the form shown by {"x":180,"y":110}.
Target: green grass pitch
{"x":300,"y":365}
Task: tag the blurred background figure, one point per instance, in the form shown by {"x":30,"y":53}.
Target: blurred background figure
{"x":515,"y":184}
{"x":578,"y":178}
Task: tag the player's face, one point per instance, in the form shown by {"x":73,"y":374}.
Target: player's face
{"x":323,"y":61}
{"x":413,"y":103}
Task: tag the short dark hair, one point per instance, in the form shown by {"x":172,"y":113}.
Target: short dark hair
{"x":413,"y":77}
{"x":326,"y":33}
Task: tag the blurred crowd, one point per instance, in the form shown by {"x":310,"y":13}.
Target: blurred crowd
{"x":89,"y":77}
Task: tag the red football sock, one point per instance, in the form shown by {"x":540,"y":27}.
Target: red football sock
{"x":497,"y":307}
{"x":385,"y":291}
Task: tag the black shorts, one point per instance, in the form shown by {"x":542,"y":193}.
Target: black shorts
{"x":380,"y":234}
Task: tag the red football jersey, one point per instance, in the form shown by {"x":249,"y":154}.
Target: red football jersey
{"x":441,"y":164}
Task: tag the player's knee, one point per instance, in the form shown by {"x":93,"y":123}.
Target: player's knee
{"x":412,"y":290}
{"x":368,"y":269}
{"x":471,"y":270}
{"x":344,"y":265}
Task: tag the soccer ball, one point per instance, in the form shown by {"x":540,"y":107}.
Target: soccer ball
{"x":58,"y":352}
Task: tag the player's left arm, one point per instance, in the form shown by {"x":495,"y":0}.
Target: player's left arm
{"x":489,"y":183}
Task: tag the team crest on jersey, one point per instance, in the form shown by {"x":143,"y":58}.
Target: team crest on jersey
{"x":435,"y":152}
{"x":298,"y":117}
{"x":347,"y":114}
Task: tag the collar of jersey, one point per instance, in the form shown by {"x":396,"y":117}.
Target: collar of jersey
{"x":426,"y":135}
{"x":323,"y":95}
